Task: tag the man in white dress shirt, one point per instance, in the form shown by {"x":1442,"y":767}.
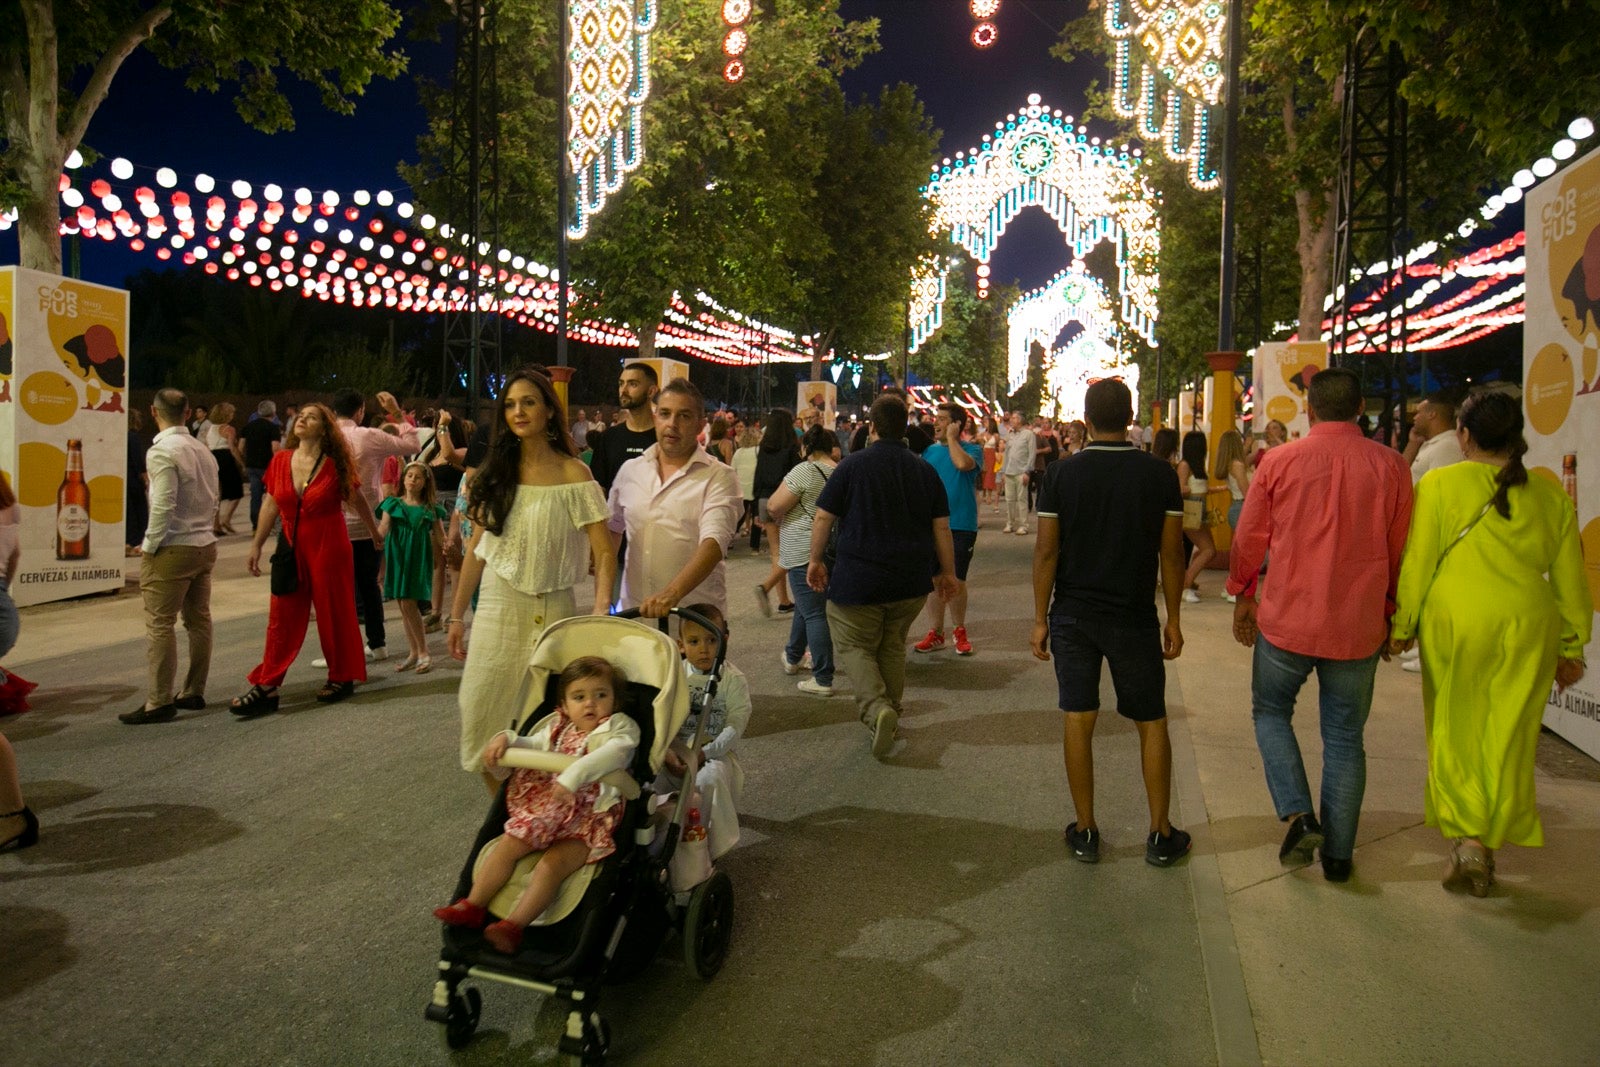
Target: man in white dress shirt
{"x":678,"y":507}
{"x":180,"y":550}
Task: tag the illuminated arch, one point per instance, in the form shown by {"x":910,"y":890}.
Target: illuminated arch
{"x":1094,"y":193}
{"x":1040,"y":315}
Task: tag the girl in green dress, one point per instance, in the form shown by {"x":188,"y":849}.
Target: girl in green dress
{"x":1494,"y":632}
{"x":412,"y":527}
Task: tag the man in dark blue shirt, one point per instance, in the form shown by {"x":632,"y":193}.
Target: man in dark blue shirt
{"x":894,"y":525}
{"x":1107,"y":516}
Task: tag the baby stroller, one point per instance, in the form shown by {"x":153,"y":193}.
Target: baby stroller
{"x":610,"y":917}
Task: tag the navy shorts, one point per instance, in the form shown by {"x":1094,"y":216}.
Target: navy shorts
{"x":964,"y":541}
{"x":1138,"y":673}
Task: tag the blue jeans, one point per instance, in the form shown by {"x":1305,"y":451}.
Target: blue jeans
{"x":1346,"y":698}
{"x":10,"y":623}
{"x":809,"y":627}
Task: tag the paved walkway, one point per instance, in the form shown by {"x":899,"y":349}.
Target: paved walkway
{"x":213,"y":891}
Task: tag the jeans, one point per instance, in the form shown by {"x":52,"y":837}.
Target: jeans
{"x":254,"y":476}
{"x":871,"y":642}
{"x":809,"y":627}
{"x":10,"y":622}
{"x":1346,"y":698}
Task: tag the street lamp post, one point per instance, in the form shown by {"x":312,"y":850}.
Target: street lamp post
{"x":563,"y":191}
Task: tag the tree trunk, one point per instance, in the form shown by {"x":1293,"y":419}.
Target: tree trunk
{"x":1316,"y":209}
{"x":647,"y":341}
{"x":39,"y":219}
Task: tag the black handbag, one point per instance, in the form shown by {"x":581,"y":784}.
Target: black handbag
{"x":285,"y":574}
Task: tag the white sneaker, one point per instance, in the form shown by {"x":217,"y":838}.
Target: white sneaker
{"x":1022,"y":531}
{"x":1411,"y":666}
{"x":1006,"y":528}
{"x":1191,"y":597}
{"x":788,"y":668}
{"x":376,"y":654}
{"x":319,"y":662}
{"x":1230,"y":598}
{"x":815,"y":688}
{"x":1411,"y":655}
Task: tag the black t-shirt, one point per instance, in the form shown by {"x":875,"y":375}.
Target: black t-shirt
{"x":259,"y":435}
{"x":1112,"y":502}
{"x":886,"y":500}
{"x":614,"y":448}
{"x":770,"y":469}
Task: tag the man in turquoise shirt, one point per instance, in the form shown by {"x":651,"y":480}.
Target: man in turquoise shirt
{"x":956,"y":462}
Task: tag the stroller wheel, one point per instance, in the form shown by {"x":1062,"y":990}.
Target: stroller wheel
{"x":596,"y":1042}
{"x":708,"y":925}
{"x":462,"y":1021}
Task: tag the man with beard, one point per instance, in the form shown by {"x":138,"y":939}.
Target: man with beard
{"x":636,"y":389}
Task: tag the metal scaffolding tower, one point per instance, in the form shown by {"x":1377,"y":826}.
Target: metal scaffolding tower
{"x":1371,"y":220}
{"x":472,"y":333}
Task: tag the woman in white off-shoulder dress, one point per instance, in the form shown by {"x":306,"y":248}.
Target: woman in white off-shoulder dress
{"x":537,"y":515}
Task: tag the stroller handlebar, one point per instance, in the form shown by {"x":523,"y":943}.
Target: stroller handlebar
{"x":556,"y":762}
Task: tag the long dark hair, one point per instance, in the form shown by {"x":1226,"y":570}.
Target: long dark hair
{"x":1194,"y":454}
{"x":1494,"y":422}
{"x":777,"y":431}
{"x":334,"y":446}
{"x":494,"y":487}
{"x":1164,"y":443}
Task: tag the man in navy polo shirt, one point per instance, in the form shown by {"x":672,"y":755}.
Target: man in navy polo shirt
{"x":957,"y":464}
{"x":894,"y":524}
{"x":1106,"y":517}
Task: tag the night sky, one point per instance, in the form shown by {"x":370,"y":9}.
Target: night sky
{"x":151,"y":119}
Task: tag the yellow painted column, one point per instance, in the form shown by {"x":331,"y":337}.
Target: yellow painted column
{"x":560,"y":377}
{"x":1220,"y":419}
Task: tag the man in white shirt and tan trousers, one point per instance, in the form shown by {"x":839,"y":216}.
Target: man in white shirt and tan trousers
{"x":180,"y":550}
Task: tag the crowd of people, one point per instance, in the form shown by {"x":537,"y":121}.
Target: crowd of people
{"x":1345,"y":550}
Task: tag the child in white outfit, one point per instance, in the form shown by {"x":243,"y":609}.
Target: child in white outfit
{"x":570,"y":817}
{"x":720,"y":778}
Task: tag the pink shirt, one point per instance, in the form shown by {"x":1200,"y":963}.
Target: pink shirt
{"x":666,"y":522}
{"x":1334,"y":509}
{"x":368,"y":448}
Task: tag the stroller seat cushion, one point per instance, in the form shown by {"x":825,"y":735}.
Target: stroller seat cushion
{"x":567,"y":899}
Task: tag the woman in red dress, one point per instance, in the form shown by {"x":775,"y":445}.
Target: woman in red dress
{"x":308,"y":483}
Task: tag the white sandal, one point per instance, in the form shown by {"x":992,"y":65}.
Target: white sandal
{"x":406,"y":664}
{"x":425,"y":664}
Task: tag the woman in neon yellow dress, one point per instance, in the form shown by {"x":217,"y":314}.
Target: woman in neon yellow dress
{"x":1494,"y":632}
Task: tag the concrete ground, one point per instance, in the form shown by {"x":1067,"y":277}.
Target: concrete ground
{"x":215,"y":891}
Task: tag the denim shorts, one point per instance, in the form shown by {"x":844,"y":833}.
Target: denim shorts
{"x":1138,"y":673}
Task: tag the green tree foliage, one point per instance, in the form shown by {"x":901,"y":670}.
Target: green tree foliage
{"x":971,"y":346}
{"x":1488,"y":86}
{"x":59,"y":58}
{"x":728,"y":170}
{"x":867,"y":223}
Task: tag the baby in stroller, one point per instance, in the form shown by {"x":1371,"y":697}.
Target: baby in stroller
{"x":571,"y":817}
{"x":720,"y":778}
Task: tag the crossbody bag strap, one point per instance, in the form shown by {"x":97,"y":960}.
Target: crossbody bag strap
{"x":1454,"y":541}
{"x":283,"y":527}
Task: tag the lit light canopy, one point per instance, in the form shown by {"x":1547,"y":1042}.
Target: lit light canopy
{"x":1093,"y":191}
{"x":1169,"y":75}
{"x":1039,"y":316}
{"x":609,"y":71}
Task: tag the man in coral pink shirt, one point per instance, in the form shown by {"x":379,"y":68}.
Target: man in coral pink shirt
{"x":1334,"y":509}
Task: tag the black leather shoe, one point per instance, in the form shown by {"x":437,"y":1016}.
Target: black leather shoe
{"x":1336,"y":870}
{"x":1300,"y":844}
{"x":190,"y":703}
{"x":141,"y":715}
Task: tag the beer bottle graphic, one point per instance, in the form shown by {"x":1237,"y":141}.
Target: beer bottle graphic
{"x":72,"y":507}
{"x":1569,"y":476}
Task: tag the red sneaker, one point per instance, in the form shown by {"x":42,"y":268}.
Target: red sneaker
{"x":505,"y":936}
{"x":932,"y":643}
{"x":963,"y":646}
{"x":462,"y":913}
